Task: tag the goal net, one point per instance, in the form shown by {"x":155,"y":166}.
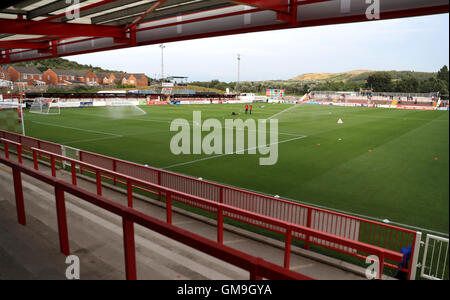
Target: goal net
{"x":11,"y":117}
{"x":46,"y":106}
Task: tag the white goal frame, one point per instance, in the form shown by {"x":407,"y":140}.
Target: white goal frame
{"x":45,"y":106}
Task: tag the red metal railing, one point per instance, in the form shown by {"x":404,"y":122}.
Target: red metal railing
{"x":380,"y":234}
{"x":343,"y":225}
{"x":257,"y":267}
{"x":289,"y":230}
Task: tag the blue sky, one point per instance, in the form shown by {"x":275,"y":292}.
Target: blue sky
{"x":417,"y":44}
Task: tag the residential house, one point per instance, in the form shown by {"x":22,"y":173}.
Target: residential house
{"x":58,"y":77}
{"x":86,"y":76}
{"x":128,"y":79}
{"x":102,"y":78}
{"x":138,"y":80}
{"x":3,"y":74}
{"x":28,"y":75}
{"x":115,"y":78}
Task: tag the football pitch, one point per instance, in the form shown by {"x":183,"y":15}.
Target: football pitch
{"x":381,"y":163}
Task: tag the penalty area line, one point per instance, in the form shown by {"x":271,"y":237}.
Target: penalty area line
{"x":283,"y":111}
{"x":235,"y":152}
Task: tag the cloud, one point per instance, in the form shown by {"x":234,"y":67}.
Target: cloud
{"x":419,"y":44}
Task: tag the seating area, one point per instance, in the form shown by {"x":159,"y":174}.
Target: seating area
{"x":391,"y":100}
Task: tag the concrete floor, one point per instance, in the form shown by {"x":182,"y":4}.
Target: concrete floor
{"x":32,"y":251}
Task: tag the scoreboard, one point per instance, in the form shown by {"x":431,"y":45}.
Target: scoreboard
{"x":274,"y":94}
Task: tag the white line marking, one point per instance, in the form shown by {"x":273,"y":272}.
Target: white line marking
{"x":168,"y":121}
{"x":283,"y":111}
{"x":235,"y":152}
{"x":91,"y":140}
{"x":80,"y":129}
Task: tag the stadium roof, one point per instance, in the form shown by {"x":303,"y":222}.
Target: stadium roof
{"x":39,"y":29}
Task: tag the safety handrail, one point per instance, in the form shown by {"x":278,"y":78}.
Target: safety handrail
{"x":254,"y":193}
{"x":221,"y":208}
{"x":257,"y":267}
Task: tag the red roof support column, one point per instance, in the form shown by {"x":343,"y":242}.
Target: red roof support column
{"x":142,"y":16}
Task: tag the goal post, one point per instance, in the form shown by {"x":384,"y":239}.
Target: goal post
{"x":45,"y":106}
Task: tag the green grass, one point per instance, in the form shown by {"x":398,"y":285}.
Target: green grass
{"x":399,"y":179}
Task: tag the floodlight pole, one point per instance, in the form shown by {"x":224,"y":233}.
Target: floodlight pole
{"x":162,"y":61}
{"x":239,"y":72}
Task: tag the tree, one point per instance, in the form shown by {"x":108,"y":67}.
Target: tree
{"x":443,"y":74}
{"x":433,"y":85}
{"x":407,"y":85}
{"x":380,"y":82}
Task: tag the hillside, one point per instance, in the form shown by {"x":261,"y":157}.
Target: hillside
{"x":360,"y":75}
{"x":330,"y":76}
{"x":64,"y":64}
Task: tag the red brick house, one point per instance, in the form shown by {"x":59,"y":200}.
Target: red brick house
{"x":141,"y":80}
{"x":128,"y":79}
{"x":3,"y":74}
{"x":86,"y":76}
{"x":115,"y":78}
{"x":102,"y":78}
{"x":57,"y":76}
{"x":137,"y":80}
{"x":29,"y":74}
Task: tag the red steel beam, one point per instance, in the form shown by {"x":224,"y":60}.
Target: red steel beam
{"x":306,"y":2}
{"x":328,"y":21}
{"x":23,"y":45}
{"x":61,"y":29}
{"x":143,"y":15}
{"x":277,"y":5}
{"x":407,"y":13}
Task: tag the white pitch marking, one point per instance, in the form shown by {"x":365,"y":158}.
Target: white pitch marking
{"x":80,"y":129}
{"x":235,"y":152}
{"x":91,"y":140}
{"x":281,"y":112}
{"x":190,"y":122}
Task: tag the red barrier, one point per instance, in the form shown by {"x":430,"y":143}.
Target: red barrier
{"x":347,"y":226}
{"x":257,"y":267}
{"x":29,"y":142}
{"x":322,"y":220}
{"x":220,"y":209}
